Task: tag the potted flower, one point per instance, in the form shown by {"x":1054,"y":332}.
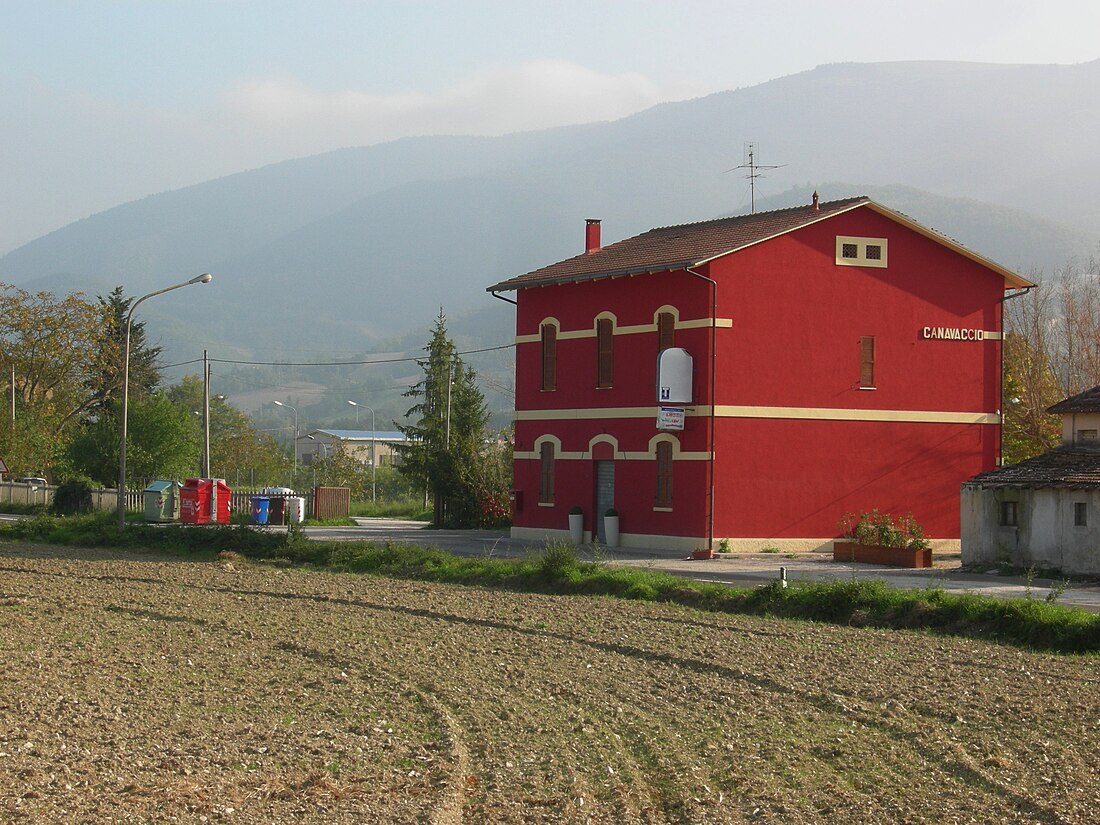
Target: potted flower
{"x":611,"y":527}
{"x":879,"y":538}
{"x":576,"y":524}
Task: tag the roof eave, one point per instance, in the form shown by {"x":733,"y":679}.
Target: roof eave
{"x":1012,"y":279}
{"x":506,"y":286}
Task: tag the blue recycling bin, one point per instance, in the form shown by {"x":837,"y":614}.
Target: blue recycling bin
{"x":260,"y":505}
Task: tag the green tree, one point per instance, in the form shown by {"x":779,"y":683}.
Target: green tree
{"x":445,"y":443}
{"x":44,"y":346}
{"x":334,"y":466}
{"x":104,"y":382}
{"x":162,"y":442}
{"x":239,"y":453}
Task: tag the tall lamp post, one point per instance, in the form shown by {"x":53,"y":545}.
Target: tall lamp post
{"x":373,"y":435}
{"x":205,"y":278}
{"x":295,"y":409}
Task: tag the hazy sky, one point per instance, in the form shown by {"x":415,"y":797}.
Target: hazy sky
{"x":104,"y":102}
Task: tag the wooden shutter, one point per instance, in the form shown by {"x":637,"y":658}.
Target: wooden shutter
{"x":867,"y":361}
{"x":604,"y":336}
{"x":664,"y":474}
{"x":546,"y":473}
{"x":549,"y":357}
{"x":666,"y":331}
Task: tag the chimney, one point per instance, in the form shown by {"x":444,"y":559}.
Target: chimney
{"x":591,"y":235}
{"x":816,"y":206}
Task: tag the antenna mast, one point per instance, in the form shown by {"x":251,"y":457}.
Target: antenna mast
{"x":752,"y":149}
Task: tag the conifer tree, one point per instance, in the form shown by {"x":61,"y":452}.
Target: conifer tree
{"x":446,"y":439}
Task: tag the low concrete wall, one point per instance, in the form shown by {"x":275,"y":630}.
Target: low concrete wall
{"x":17,"y":493}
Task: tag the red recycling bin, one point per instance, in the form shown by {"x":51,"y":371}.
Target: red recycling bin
{"x":205,"y":501}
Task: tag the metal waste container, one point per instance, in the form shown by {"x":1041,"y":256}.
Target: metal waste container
{"x":162,"y":501}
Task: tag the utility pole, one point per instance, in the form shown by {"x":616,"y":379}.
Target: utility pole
{"x":205,"y":415}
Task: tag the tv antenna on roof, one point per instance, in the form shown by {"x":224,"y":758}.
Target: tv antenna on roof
{"x":752,"y":151}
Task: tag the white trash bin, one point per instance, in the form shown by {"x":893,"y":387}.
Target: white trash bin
{"x":295,"y":509}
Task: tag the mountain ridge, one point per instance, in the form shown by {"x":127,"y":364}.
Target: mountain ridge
{"x":346,"y":246}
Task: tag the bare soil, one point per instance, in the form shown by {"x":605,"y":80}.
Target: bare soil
{"x":145,"y":689}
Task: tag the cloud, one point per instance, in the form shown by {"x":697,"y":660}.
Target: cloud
{"x":72,"y":154}
{"x":533,"y":95}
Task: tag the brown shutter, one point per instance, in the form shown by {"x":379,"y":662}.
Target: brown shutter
{"x":867,"y":361}
{"x":666,"y":331}
{"x":664,"y":474}
{"x":549,"y":357}
{"x":604,"y":336}
{"x":546,"y":473}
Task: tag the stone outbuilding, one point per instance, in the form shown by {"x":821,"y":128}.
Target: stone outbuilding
{"x":1043,"y":512}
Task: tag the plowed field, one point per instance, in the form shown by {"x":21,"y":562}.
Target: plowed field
{"x":144,"y":689}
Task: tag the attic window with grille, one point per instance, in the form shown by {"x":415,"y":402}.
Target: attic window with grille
{"x":860,"y":251}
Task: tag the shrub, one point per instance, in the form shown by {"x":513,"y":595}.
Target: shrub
{"x":884,"y":530}
{"x":73,"y":497}
{"x":557,"y":560}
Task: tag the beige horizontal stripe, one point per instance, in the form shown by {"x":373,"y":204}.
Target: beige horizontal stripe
{"x":635,"y":329}
{"x":590,"y":413}
{"x":619,"y":456}
{"x":837,"y":414}
{"x":705,"y":323}
{"x":730,"y":411}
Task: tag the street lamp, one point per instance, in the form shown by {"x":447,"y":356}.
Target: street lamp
{"x":322,"y":445}
{"x":205,"y":278}
{"x":373,"y":435}
{"x":289,"y":407}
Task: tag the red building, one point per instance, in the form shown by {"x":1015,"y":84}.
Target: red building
{"x":842,"y":357}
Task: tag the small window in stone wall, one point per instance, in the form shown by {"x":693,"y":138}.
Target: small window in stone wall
{"x":1008,"y":514}
{"x":1080,"y":514}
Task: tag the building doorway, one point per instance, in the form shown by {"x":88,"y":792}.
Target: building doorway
{"x":605,"y":495}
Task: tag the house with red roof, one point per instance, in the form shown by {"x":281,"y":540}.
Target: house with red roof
{"x":745,"y":382}
{"x":1043,"y":512}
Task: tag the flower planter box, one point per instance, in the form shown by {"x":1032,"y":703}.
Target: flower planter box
{"x":877,"y":554}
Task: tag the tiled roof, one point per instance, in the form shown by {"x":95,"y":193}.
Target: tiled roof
{"x":1071,"y":467}
{"x":693,"y":244}
{"x":674,"y":247}
{"x":1084,"y":402}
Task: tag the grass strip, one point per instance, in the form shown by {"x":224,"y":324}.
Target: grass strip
{"x":1031,"y":623}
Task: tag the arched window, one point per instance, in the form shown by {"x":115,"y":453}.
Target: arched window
{"x":664,"y":474}
{"x":546,"y":473}
{"x":549,"y":357}
{"x":666,"y":331}
{"x":605,"y":333}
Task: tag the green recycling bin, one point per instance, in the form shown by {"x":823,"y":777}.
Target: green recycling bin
{"x":162,"y":501}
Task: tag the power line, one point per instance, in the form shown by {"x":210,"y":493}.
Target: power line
{"x":342,"y":363}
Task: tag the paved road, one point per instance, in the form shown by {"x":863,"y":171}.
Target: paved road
{"x":735,"y":568}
